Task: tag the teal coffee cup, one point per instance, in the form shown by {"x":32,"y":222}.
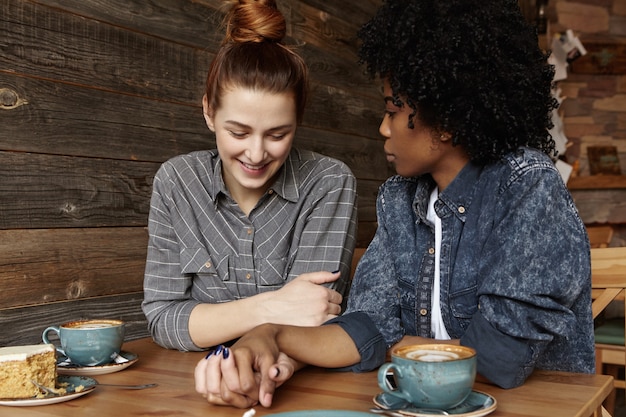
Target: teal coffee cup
{"x":89,"y":342}
{"x":430,"y":376}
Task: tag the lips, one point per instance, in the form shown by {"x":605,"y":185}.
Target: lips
{"x":254,"y":169}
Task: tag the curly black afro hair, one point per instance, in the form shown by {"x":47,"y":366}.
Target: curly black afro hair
{"x":470,"y":68}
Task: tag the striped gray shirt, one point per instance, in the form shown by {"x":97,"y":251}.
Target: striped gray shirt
{"x":203,"y":249}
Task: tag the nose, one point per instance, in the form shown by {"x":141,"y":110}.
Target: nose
{"x":256,"y":150}
{"x":383,"y":129}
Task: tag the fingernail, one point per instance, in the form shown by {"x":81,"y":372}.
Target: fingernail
{"x":219,"y":349}
{"x":334,"y":272}
{"x":226,"y":353}
{"x":208,"y":355}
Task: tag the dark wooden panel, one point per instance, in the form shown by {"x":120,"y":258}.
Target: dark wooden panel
{"x":44,"y":42}
{"x":195,"y":23}
{"x":47,"y":117}
{"x":26,"y":324}
{"x":50,"y":265}
{"x":341,"y":110}
{"x":356,"y":12}
{"x":42,"y":191}
{"x":364,"y":156}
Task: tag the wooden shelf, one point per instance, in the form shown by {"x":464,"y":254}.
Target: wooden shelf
{"x":597,"y":182}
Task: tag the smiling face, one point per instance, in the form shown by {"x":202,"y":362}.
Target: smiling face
{"x":419,"y":150}
{"x":254,"y":132}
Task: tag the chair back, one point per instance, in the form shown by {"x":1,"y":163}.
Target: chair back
{"x":608,"y":282}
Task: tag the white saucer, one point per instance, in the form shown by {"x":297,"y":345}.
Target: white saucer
{"x":88,"y":384}
{"x":478,"y":404}
{"x":65,"y":367}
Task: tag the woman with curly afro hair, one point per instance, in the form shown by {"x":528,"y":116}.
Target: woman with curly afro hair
{"x":478,"y":240}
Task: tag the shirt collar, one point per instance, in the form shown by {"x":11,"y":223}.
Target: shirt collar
{"x":286,"y":184}
{"x":459,"y":193}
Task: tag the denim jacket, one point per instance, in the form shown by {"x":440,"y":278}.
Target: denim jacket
{"x":515,"y":270}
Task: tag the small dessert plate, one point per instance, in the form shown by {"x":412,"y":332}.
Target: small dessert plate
{"x":123,"y":361}
{"x":76,"y":386}
{"x":478,"y":404}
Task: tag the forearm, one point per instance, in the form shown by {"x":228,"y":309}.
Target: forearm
{"x":326,"y":346}
{"x":214,"y":324}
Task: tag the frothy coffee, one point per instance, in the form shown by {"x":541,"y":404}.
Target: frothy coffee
{"x":92,"y":324}
{"x":434,"y":353}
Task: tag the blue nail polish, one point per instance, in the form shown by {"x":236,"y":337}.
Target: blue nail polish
{"x":334,"y":272}
{"x":208,"y":355}
{"x":219,"y":349}
{"x":226,"y":353}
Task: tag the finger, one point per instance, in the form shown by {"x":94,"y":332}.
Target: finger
{"x":239,"y":387}
{"x":200,"y":377}
{"x":267,"y":385}
{"x":334,"y":297}
{"x":321,"y":277}
{"x":212,"y":372}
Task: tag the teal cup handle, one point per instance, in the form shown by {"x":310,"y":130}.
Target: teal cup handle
{"x":44,"y":336}
{"x":384,"y":384}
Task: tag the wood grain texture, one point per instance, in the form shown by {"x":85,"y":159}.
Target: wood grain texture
{"x":60,"y":191}
{"x":69,"y":264}
{"x":27,"y":323}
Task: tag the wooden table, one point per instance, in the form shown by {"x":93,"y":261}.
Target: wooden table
{"x":550,"y":394}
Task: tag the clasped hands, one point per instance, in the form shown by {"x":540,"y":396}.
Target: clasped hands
{"x":241,"y":378}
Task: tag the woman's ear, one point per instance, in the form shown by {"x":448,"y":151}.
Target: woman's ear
{"x":208,"y":113}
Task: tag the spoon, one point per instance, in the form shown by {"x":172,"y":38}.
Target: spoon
{"x":52,"y":391}
{"x":396,"y":412}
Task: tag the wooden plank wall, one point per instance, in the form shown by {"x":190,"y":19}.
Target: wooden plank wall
{"x":94,"y":96}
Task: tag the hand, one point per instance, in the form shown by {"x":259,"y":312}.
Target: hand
{"x":247,"y":373}
{"x":303,"y":301}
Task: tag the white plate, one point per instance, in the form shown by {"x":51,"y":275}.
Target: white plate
{"x":68,"y":368}
{"x":478,"y":404}
{"x":89,"y":384}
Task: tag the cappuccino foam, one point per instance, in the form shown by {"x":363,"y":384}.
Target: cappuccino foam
{"x":426,"y":355}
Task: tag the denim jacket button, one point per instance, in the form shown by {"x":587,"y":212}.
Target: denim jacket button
{"x":461,"y":209}
{"x":431,"y":250}
{"x":423,"y":312}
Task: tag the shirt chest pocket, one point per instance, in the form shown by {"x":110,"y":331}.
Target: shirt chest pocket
{"x":198,"y":261}
{"x":211,"y":276}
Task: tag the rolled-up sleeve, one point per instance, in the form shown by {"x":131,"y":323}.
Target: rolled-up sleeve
{"x":366,"y":337}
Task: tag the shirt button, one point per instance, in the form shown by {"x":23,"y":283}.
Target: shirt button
{"x":423,"y":312}
{"x":249,"y":231}
{"x":431,"y":250}
{"x":461,"y":209}
{"x":270,"y":192}
{"x":207,"y":264}
{"x":248,"y":276}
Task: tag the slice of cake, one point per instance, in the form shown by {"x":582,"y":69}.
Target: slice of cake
{"x":19,"y":365}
